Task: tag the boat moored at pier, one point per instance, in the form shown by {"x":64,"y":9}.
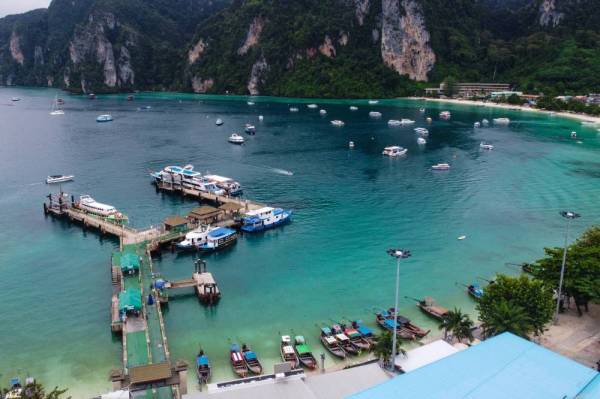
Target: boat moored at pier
{"x":265,"y":218}
{"x":218,"y":239}
{"x":230,"y":186}
{"x":288,"y":354}
{"x":88,"y":204}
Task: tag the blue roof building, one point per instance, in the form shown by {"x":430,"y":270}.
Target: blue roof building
{"x":505,"y":366}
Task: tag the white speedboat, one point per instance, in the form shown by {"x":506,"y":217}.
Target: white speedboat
{"x":322,"y":112}
{"x":219,"y":122}
{"x":250,"y":103}
{"x":353,"y":108}
{"x":236,"y":139}
{"x":476,"y":124}
{"x":351,"y":144}
{"x":104,"y":118}
{"x":375,"y":114}
{"x":405,"y":121}
{"x":337,"y":122}
{"x":15,"y":99}
{"x":231,"y":186}
{"x":373,"y":102}
{"x":445,"y":115}
{"x":485,"y":146}
{"x":394,"y":151}
{"x":573,"y":135}
{"x":485,"y":122}
{"x":394,"y":122}
{"x":421,"y":141}
{"x":501,"y":121}
{"x":52,"y":179}
{"x":441,"y":166}
{"x":56,"y":110}
{"x":422,"y":131}
{"x":294,"y":109}
{"x":250,"y":129}
{"x":312,"y":106}
{"x":90,"y":205}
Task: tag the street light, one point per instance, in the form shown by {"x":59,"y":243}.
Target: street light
{"x":398,"y":254}
{"x":569,"y":216}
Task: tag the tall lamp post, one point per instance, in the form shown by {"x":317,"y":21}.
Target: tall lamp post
{"x":569,"y":216}
{"x":398,"y":254}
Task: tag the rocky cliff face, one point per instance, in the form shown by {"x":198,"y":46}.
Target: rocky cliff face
{"x":548,"y":14}
{"x":257,"y":76}
{"x":15,"y":48}
{"x":405,"y":40}
{"x":253,"y":36}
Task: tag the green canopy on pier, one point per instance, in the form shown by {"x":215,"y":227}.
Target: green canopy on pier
{"x":129,"y":262}
{"x":130,"y":299}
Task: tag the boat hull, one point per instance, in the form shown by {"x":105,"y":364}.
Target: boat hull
{"x":263,"y":227}
{"x":335,"y":351}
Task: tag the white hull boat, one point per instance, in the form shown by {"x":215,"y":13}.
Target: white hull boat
{"x":485,"y":146}
{"x":104,"y":118}
{"x":337,"y":123}
{"x":375,"y":114}
{"x":394,"y":151}
{"x":236,"y":139}
{"x":52,"y":179}
{"x":441,"y":166}
{"x":501,"y":121}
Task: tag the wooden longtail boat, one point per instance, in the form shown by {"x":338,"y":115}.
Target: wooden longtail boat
{"x":203,"y":369}
{"x":237,"y":361}
{"x":304,"y":353}
{"x":365,"y":331}
{"x":428,"y":306}
{"x":331,"y":344}
{"x":288,"y":354}
{"x":251,"y":360}
{"x":386,"y":321}
{"x":416,"y":330}
{"x":357,"y":339}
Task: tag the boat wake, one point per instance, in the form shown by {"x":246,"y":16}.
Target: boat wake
{"x":283,"y":172}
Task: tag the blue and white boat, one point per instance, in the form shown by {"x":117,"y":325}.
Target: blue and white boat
{"x":195,"y":238}
{"x":104,"y":118}
{"x":265,"y":218}
{"x":187,"y":177}
{"x":218,"y":239}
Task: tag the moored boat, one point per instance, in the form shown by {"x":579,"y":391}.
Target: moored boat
{"x":304,"y":353}
{"x":409,"y":326}
{"x":421,"y":141}
{"x":428,"y":306}
{"x":236,"y":139}
{"x":475,"y":291}
{"x":52,"y":179}
{"x":104,"y":118}
{"x":56,"y":110}
{"x":237,"y":361}
{"x":422,"y":131}
{"x":441,"y":166}
{"x":337,"y":123}
{"x":386,"y":321}
{"x":353,"y":108}
{"x":375,"y":114}
{"x":250,"y":129}
{"x":294,"y":109}
{"x":476,"y":125}
{"x":394,"y":151}
{"x":357,"y":339}
{"x":250,"y":103}
{"x":251,"y":360}
{"x":331,"y":344}
{"x":405,"y":121}
{"x":485,"y":122}
{"x":265,"y":218}
{"x":218,"y":239}
{"x":219,"y":122}
{"x":501,"y":121}
{"x":394,"y":122}
{"x":365,"y":331}
{"x":323,"y":112}
{"x":346,"y":344}
{"x":373,"y":102}
{"x":445,"y":115}
{"x":351,"y":144}
{"x":203,"y":369}
{"x":485,"y":146}
{"x":15,"y":99}
{"x":90,"y":205}
{"x":288,"y":354}
{"x":312,"y":106}
{"x":231,"y":186}
{"x":195,"y":238}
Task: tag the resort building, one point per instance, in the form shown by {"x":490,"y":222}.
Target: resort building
{"x":469,"y":89}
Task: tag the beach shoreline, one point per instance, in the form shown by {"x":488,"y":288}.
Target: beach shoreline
{"x":471,"y":103}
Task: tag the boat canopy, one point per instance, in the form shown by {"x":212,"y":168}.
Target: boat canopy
{"x":285,"y":338}
{"x":130,"y":299}
{"x":300,"y":339}
{"x":236,"y":356}
{"x":326,"y":330}
{"x":389,"y":323}
{"x":220,"y":232}
{"x":250,"y":355}
{"x":202,"y":360}
{"x":130,"y":262}
{"x":330,"y":340}
{"x":303,"y":349}
{"x":288,"y":350}
{"x":365,"y":330}
{"x":352,"y":333}
{"x":342,"y":337}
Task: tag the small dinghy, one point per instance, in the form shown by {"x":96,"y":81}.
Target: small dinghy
{"x":104,"y":118}
{"x":53,"y":179}
{"x":219,"y":122}
{"x":251,"y":360}
{"x":237,"y":361}
{"x":236,"y":139}
{"x":304,"y":353}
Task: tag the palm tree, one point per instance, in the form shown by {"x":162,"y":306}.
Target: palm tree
{"x":383,"y":347}
{"x":464,"y":330}
{"x":452,"y":321}
{"x":506,"y":317}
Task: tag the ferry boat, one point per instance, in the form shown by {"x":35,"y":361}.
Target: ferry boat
{"x":52,"y":179}
{"x":230,"y":186}
{"x":187,"y":177}
{"x":421,"y":141}
{"x":219,"y":122}
{"x":294,"y":109}
{"x":353,"y":108}
{"x":445,"y":115}
{"x":312,"y":106}
{"x":422,"y":131}
{"x":501,"y":121}
{"x":250,"y":129}
{"x":264,"y":219}
{"x":441,"y":166}
{"x":218,"y":239}
{"x":375,"y":114}
{"x":394,"y":151}
{"x":195,"y":238}
{"x":90,"y":205}
{"x":104,"y":118}
{"x":322,"y":112}
{"x":485,"y":146}
{"x":236,"y":139}
{"x":337,"y":123}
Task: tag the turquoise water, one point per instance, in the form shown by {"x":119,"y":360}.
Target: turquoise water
{"x":329,"y":264}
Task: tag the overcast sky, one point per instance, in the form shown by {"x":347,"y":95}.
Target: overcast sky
{"x":19,"y":6}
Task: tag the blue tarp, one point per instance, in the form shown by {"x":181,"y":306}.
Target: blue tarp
{"x":250,"y":355}
{"x":389,"y":323}
{"x":202,"y":360}
{"x":326,"y":330}
{"x":365,"y":330}
{"x":501,"y":367}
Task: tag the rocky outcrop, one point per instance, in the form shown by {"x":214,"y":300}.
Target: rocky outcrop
{"x":253,"y":35}
{"x":327,"y":48}
{"x":361,"y":8}
{"x":257,"y":76}
{"x":549,"y":15}
{"x":196,"y":51}
{"x":405,"y":43}
{"x":200,"y":85}
{"x":38,"y":55}
{"x":15,"y":48}
{"x":126,"y":73}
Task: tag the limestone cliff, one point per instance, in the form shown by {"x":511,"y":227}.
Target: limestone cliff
{"x":15,"y":48}
{"x":405,"y":43}
{"x":548,"y":14}
{"x":196,"y":51}
{"x":257,"y":76}
{"x":253,"y":35}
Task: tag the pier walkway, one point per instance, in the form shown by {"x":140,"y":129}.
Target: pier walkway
{"x":210,"y":197}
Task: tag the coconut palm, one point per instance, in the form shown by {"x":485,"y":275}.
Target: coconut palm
{"x":452,"y":322}
{"x":506,"y":317}
{"x":464,"y":330}
{"x":383,"y":347}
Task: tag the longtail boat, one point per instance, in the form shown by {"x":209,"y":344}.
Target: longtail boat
{"x":237,"y":361}
{"x":416,"y":330}
{"x":365,"y":331}
{"x":386,"y":321}
{"x":344,"y":340}
{"x":203,"y":369}
{"x":475,"y":291}
{"x":288,"y":354}
{"x":428,"y":306}
{"x":357,"y":339}
{"x":251,"y":360}
{"x":331,"y":344}
{"x":304,"y":353}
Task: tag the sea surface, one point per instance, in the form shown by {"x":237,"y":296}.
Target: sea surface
{"x":329,"y":264}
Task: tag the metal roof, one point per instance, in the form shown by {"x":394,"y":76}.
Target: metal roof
{"x":505,"y":366}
